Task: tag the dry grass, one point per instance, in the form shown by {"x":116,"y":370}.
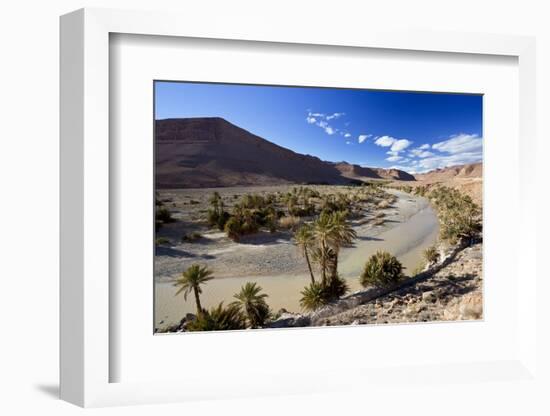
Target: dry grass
{"x":379,"y":221}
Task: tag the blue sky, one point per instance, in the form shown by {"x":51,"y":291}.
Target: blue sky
{"x":413,"y":131}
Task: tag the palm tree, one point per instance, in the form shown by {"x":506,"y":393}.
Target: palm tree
{"x":216,"y":202}
{"x":323,"y":232}
{"x":191,"y":280}
{"x":342,"y":235}
{"x":304,"y":240}
{"x":253,"y":304}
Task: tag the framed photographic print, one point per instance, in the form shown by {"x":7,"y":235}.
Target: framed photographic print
{"x":264,"y":202}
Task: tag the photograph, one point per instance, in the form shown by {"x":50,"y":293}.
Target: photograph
{"x":297,"y":206}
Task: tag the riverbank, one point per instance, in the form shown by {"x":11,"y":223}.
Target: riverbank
{"x":453,"y":292}
{"x":273,"y":261}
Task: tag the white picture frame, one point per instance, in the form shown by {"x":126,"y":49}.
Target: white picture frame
{"x":86,"y":356}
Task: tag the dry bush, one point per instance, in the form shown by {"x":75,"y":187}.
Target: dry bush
{"x":383,"y":204}
{"x":289,"y":223}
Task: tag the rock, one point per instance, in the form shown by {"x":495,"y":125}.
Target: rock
{"x":429,"y":297}
{"x":290,"y":320}
{"x":282,"y":311}
{"x":468,"y":307}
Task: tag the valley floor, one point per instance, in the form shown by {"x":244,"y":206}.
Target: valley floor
{"x":272,"y":260}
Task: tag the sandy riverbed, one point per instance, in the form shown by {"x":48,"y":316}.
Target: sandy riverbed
{"x":275,"y":264}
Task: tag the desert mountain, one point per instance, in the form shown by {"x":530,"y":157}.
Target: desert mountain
{"x":472,"y":170}
{"x":360,"y":172}
{"x":466,"y":178}
{"x":211,"y":152}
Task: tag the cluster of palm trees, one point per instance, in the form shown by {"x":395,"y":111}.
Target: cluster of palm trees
{"x":320,"y":243}
{"x":248,"y":310}
{"x":459,"y":216}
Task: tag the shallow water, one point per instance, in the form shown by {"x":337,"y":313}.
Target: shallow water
{"x":408,"y":233}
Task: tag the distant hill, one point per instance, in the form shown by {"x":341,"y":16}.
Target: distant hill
{"x":211,"y":152}
{"x":359,"y":172}
{"x":472,"y":170}
{"x":466,"y":178}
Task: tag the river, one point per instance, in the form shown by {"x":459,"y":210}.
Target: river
{"x":410,"y":229}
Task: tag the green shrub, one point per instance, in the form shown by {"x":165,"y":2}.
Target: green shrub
{"x":219,"y":319}
{"x":431,"y":255}
{"x":162,"y":216}
{"x":381,"y":270}
{"x":189,"y":238}
{"x":233,"y":228}
{"x":217,"y":219}
{"x":335,"y":288}
{"x":162,"y":241}
{"x":313,"y":297}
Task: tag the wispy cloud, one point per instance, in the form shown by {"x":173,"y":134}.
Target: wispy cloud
{"x":458,"y":149}
{"x":460,"y":143}
{"x":418,"y":152}
{"x":321,"y":120}
{"x":394,"y":158}
{"x":334,"y":115}
{"x":362,"y":137}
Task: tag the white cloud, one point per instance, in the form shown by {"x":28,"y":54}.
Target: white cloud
{"x":330,"y":131}
{"x":438,"y":162}
{"x":363,"y":137}
{"x":385,"y":141}
{"x":311,"y":120}
{"x":348,"y":142}
{"x":399,"y":145}
{"x":460,"y":143}
{"x":394,"y":158}
{"x":418,"y":152}
{"x":459,"y":149}
{"x":347,"y":135}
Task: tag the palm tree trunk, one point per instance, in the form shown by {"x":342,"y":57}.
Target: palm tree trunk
{"x":197,"y":301}
{"x":334,"y":270}
{"x":309,"y":266}
{"x":323,"y":263}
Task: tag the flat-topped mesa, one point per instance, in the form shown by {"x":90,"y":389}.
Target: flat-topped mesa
{"x":212,"y":152}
